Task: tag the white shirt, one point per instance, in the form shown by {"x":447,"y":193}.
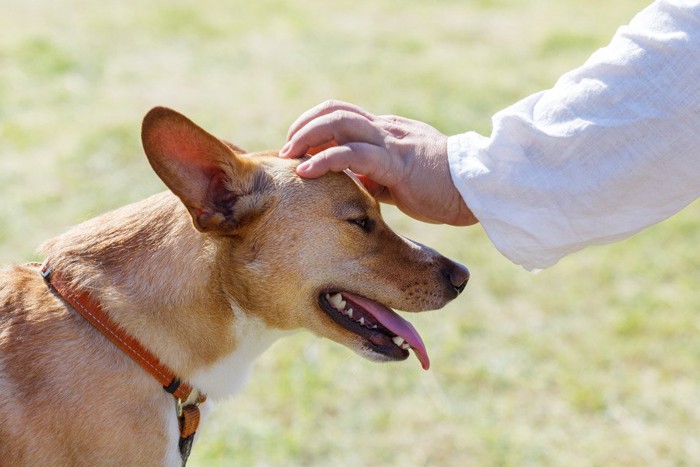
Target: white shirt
{"x":612,"y":148}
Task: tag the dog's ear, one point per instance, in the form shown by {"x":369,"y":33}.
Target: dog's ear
{"x":235,"y":148}
{"x":220,"y":188}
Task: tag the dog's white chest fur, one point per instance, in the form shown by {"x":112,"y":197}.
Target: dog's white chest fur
{"x":227,"y":377}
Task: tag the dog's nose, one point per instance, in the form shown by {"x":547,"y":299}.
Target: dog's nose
{"x":458,"y":276}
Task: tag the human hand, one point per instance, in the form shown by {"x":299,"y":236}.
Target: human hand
{"x":400,"y":161}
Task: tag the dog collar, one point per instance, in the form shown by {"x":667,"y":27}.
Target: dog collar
{"x":187,"y":398}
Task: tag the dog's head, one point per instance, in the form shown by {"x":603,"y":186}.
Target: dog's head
{"x":299,"y":253}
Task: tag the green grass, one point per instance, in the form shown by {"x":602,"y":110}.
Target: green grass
{"x":591,"y":363}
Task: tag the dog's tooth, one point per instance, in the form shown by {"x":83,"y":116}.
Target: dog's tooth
{"x":398,"y":340}
{"x":374,"y":326}
{"x":405,"y":346}
{"x":349,"y":312}
{"x":335,"y":300}
{"x":341,"y":304}
{"x":362,"y":321}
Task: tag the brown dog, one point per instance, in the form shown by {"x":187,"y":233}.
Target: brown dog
{"x":269,"y":253}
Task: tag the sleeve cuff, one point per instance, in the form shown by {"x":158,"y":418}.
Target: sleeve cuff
{"x":468,"y":158}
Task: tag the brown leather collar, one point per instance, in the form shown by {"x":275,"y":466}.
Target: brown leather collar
{"x":187,"y":410}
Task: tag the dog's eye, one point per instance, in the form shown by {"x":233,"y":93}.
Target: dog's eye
{"x":364,"y":223}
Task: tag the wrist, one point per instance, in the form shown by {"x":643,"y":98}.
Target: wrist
{"x":461,"y":214}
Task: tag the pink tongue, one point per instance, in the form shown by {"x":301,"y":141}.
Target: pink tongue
{"x":395,"y":324}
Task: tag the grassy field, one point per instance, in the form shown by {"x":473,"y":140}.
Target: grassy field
{"x":594,"y":362}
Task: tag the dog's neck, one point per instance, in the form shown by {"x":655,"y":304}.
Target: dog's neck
{"x":156,"y":275}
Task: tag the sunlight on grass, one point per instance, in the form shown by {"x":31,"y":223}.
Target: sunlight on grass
{"x":593,"y":362}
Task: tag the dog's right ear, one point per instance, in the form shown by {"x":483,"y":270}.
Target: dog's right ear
{"x":219,"y":187}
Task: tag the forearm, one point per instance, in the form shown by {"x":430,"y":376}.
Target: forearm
{"x":613,"y":148}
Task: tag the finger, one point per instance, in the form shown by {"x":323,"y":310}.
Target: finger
{"x":311,"y":151}
{"x":341,"y":159}
{"x":338,"y":127}
{"x":367,"y":160}
{"x":322,"y":109}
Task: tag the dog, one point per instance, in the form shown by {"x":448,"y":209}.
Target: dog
{"x":196,"y":282}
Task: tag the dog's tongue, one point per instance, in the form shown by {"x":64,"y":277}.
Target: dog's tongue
{"x":395,"y":324}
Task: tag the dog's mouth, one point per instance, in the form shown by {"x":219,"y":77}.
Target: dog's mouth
{"x":384,"y":331}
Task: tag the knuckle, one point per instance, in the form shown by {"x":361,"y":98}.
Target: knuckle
{"x":340,"y":115}
{"x":337,"y":119}
{"x":325,"y":157}
{"x":336,"y":159}
{"x":354,"y":150}
{"x":390,"y":118}
{"x":365,"y":159}
{"x":331,"y":104}
{"x":395,"y":126}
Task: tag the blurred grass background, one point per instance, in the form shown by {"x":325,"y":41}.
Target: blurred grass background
{"x":591,"y":363}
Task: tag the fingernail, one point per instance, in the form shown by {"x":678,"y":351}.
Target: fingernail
{"x":303,"y":167}
{"x":285,"y":149}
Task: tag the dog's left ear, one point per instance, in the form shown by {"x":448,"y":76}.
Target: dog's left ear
{"x":220,"y":187}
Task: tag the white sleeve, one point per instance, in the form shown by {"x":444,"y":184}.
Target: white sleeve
{"x":612,"y":148}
